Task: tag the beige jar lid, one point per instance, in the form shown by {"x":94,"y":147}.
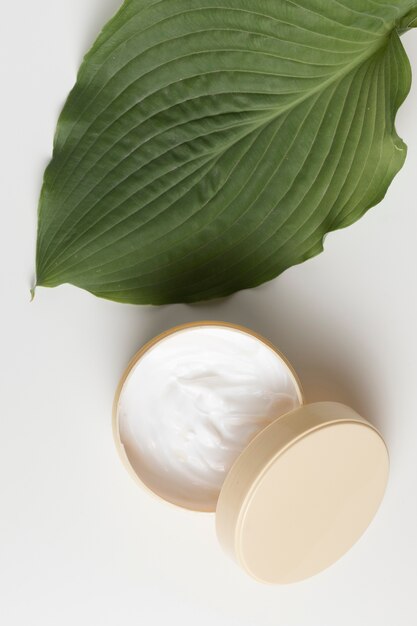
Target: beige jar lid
{"x":301,"y":493}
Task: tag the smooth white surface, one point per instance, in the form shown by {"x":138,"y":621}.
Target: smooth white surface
{"x":193,"y":402}
{"x":79,"y":542}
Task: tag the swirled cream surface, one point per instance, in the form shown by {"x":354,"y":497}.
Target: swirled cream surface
{"x":193,"y":402}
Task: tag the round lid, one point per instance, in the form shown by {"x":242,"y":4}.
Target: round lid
{"x":302,"y":493}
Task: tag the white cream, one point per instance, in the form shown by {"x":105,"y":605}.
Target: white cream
{"x":193,"y":402}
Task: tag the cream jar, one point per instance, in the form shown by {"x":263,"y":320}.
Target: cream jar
{"x":211,"y":417}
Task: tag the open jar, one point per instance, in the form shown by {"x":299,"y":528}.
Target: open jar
{"x":211,"y":417}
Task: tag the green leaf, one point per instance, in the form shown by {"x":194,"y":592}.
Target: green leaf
{"x":209,"y":145}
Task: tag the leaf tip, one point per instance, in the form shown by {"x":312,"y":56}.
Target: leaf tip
{"x":35,"y":283}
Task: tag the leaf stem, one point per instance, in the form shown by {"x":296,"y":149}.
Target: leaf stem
{"x":408,"y":22}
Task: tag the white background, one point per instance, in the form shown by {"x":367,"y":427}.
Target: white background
{"x":80,"y":543}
